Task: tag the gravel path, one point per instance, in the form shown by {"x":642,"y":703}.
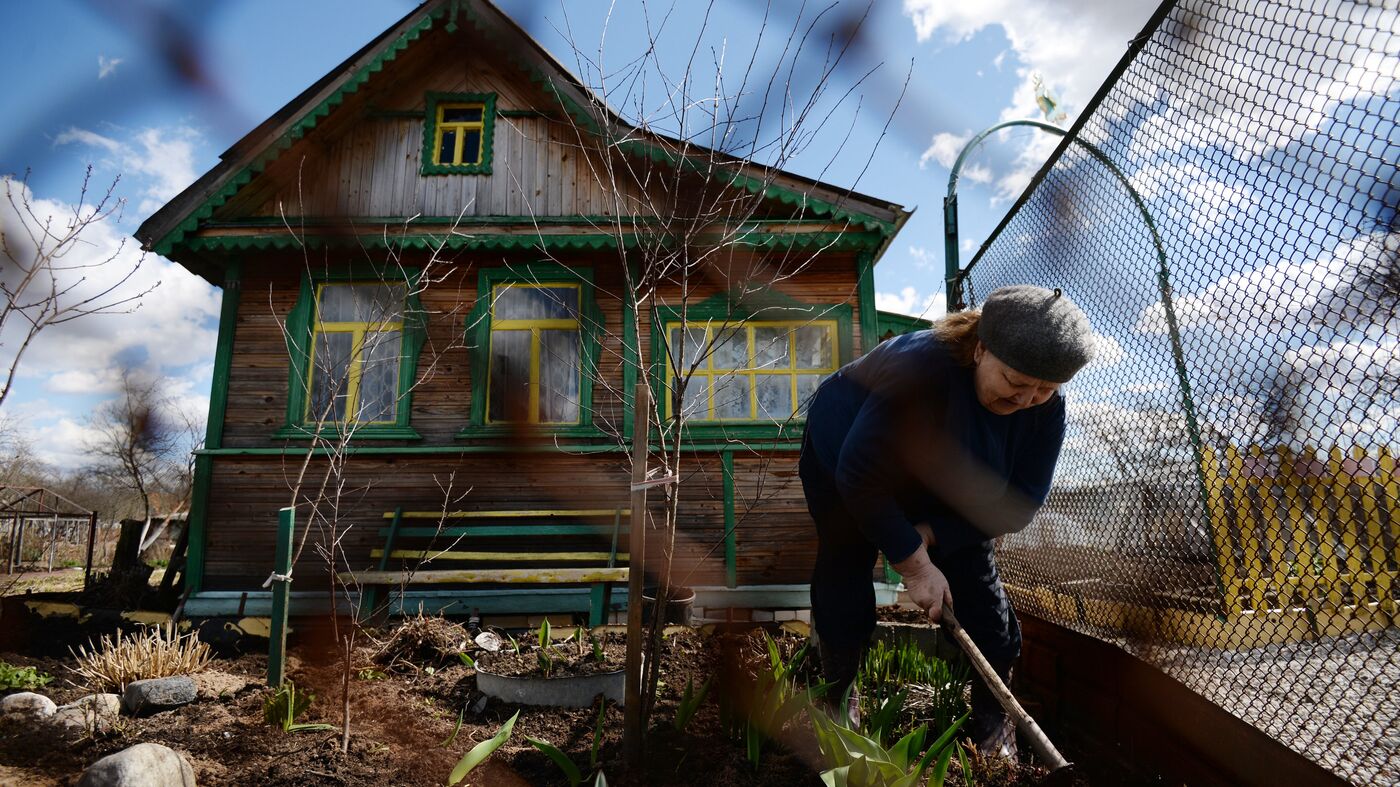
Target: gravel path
{"x":1336,"y":701}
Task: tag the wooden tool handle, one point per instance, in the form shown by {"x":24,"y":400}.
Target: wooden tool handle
{"x":1042,"y":745}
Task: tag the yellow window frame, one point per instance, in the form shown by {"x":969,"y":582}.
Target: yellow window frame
{"x":461,"y":127}
{"x":708,"y":372}
{"x":534,"y":326}
{"x":358,"y":330}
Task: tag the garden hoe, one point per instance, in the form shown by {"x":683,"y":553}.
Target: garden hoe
{"x":1061,"y":771}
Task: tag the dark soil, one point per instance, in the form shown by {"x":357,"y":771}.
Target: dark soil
{"x":403,"y":719}
{"x":565,"y":658}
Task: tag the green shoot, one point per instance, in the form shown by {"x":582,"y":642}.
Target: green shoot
{"x":467,"y":660}
{"x":480,"y":752}
{"x":285,"y":705}
{"x":27,"y":678}
{"x":597,"y":735}
{"x":598,"y":651}
{"x":571,"y":771}
{"x":455,"y":730}
{"x":690,"y":703}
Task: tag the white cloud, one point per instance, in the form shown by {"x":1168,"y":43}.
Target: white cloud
{"x":65,"y":443}
{"x":81,"y":136}
{"x":172,"y":328}
{"x":1270,"y":297}
{"x":1107,"y":352}
{"x":924,"y":259}
{"x":1205,"y":200}
{"x":106,"y":65}
{"x":1072,"y":43}
{"x":162,"y":159}
{"x":944,"y":149}
{"x":911,"y":302}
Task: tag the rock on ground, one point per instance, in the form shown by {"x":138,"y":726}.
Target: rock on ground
{"x":27,"y":705}
{"x":157,"y":694}
{"x":91,"y":714}
{"x":142,"y":765}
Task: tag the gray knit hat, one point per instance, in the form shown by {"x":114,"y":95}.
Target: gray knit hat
{"x":1037,"y":332}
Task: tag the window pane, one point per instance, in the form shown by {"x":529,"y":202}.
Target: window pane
{"x":732,"y":396}
{"x":687,"y":347}
{"x":697,"y":398}
{"x":517,"y":302}
{"x":509,"y":386}
{"x":471,"y":147}
{"x":806,"y":386}
{"x":774,"y":396}
{"x":559,"y":377}
{"x":447,"y":148}
{"x":361,"y":302}
{"x":731,"y":350}
{"x":770,"y":348}
{"x":379,"y":377}
{"x":814,"y":347}
{"x":330,"y":377}
{"x":462,"y":114}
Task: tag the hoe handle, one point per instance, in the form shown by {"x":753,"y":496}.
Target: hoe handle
{"x":1042,"y":745}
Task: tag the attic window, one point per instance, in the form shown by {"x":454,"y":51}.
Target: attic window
{"x":457,"y":133}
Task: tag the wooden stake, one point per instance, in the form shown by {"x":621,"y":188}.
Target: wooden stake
{"x":281,"y":581}
{"x":632,"y":688}
{"x":92,"y":541}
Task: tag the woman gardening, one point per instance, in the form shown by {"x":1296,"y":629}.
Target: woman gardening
{"x":926,"y":449}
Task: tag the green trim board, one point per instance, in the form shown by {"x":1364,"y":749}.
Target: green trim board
{"x":534,"y":241}
{"x":298,"y":129}
{"x":299,"y":335}
{"x":769,"y":305}
{"x":214,"y":426}
{"x":478,"y":337}
{"x":309,"y":119}
{"x":428,"y":165}
{"x":865,"y":297}
{"x":899,"y":324}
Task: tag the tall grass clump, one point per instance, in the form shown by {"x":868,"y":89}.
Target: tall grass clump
{"x":932,"y":688}
{"x":157,"y":652}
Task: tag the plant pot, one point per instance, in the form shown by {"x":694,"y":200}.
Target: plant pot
{"x":570,"y":691}
{"x":679,"y":603}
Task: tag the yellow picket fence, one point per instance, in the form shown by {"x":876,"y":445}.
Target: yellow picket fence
{"x":1309,"y":530}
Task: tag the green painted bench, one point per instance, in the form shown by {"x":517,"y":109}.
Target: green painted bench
{"x":519,"y":553}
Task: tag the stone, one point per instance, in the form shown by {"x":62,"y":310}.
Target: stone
{"x":95,"y":713}
{"x":27,"y":705}
{"x":142,"y":765}
{"x":144,"y":697}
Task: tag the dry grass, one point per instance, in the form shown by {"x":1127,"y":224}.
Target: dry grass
{"x":157,"y":652}
{"x":422,"y":638}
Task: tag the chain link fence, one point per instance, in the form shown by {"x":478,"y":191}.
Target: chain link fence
{"x":1228,"y":505}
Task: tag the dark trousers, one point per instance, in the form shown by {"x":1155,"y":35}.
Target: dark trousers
{"x":843,"y":597}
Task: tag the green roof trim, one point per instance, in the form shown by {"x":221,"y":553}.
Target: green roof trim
{"x":806,"y":203}
{"x":299,"y":129}
{"x":831,"y":241}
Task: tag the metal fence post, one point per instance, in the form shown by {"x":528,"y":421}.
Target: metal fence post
{"x":281,"y":581}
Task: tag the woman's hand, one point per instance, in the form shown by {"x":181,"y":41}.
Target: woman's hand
{"x":925,"y":532}
{"x":925,"y":584}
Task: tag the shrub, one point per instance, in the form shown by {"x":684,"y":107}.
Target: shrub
{"x":26,"y":678}
{"x":157,"y":652}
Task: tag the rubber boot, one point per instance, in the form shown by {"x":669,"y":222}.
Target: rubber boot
{"x":839,"y":669}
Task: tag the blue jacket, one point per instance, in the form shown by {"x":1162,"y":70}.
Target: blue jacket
{"x":900,"y":438}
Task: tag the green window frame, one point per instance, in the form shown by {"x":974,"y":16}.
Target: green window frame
{"x":495,"y":411}
{"x":311,"y":326}
{"x":718,"y":316}
{"x":454,"y":118}
{"x":756,"y":370}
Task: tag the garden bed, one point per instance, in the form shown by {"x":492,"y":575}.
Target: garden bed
{"x":405,"y":708}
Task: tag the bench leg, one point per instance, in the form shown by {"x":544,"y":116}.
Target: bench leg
{"x":369,"y":596}
{"x":598,"y":611}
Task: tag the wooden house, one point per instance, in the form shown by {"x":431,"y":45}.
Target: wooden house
{"x":447,"y":167}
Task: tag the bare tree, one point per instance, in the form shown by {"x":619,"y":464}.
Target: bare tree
{"x":46,"y":267}
{"x":144,"y":445}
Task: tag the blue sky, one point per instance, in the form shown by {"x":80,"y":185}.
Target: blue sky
{"x":106,"y":94}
